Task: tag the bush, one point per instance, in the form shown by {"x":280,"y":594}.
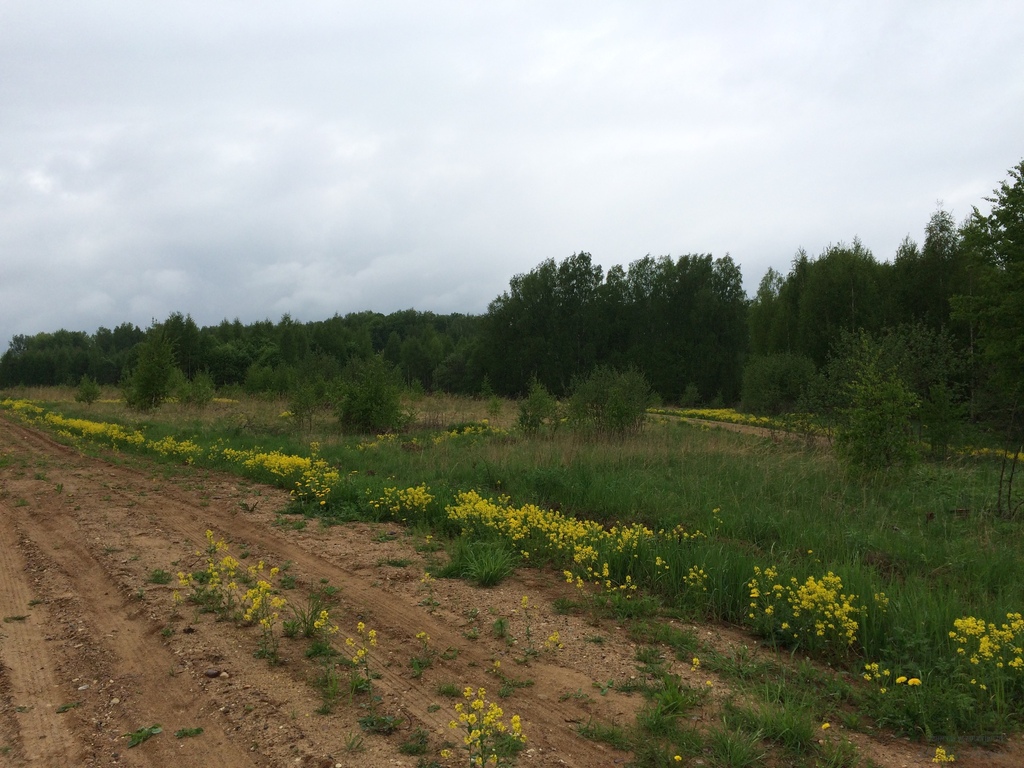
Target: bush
{"x":774,"y":384}
{"x":88,"y":390}
{"x":875,"y":429}
{"x":538,"y":409}
{"x":199,"y":392}
{"x":610,"y":402}
{"x":368,"y":398}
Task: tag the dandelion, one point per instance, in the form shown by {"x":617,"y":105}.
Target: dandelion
{"x":826,"y":726}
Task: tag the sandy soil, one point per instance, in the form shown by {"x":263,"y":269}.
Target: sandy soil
{"x":91,"y":649}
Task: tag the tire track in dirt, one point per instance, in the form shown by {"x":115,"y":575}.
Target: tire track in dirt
{"x":42,"y":738}
{"x":547,"y":720}
{"x":105,"y":641}
{"x":132,"y":653}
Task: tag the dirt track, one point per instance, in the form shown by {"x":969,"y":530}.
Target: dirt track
{"x":90,"y":649}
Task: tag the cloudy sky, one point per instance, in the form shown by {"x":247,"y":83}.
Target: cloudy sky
{"x":253,"y":158}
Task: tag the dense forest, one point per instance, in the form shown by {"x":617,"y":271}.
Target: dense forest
{"x":944,"y":316}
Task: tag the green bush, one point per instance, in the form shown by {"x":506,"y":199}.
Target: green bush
{"x":610,"y":402}
{"x":538,"y":409}
{"x":88,"y":390}
{"x":368,"y":398}
{"x":875,"y":429}
{"x":198,"y":392}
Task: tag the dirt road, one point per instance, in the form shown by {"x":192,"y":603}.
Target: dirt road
{"x":92,"y":649}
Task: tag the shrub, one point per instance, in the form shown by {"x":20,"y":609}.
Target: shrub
{"x":610,"y":402}
{"x":875,"y":431}
{"x":538,"y":409}
{"x":198,"y":392}
{"x":88,"y":390}
{"x":368,"y":398}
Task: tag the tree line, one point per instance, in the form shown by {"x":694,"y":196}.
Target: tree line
{"x":945,"y":315}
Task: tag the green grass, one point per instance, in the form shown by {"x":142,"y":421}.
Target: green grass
{"x":925,"y":537}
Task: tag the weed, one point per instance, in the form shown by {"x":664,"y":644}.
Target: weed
{"x":361,"y":678}
{"x":500,"y":630}
{"x":416,"y":744}
{"x":606,"y":733}
{"x":65,"y":707}
{"x":384,"y":725}
{"x":426,"y":656}
{"x":427,"y":583}
{"x":187,"y":733}
{"x":329,"y":685}
{"x":488,"y":739}
{"x":159,"y":576}
{"x":142,"y":734}
{"x":578,"y":694}
{"x":12,"y":619}
{"x":735,"y":749}
{"x":354,"y":743}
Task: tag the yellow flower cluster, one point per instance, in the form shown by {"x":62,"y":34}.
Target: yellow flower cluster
{"x":99,"y":431}
{"x":988,"y":645}
{"x":483,"y":725}
{"x":696,"y":579}
{"x":815,"y":614}
{"x":716,"y":414}
{"x":483,"y":429}
{"x":942,"y":756}
{"x":24,"y":408}
{"x":185,"y":450}
{"x":283,"y":465}
{"x":378,"y":442}
{"x":404,"y":502}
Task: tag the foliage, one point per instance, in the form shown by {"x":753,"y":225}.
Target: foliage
{"x":994,"y":300}
{"x":775,"y":383}
{"x":537,"y":410}
{"x":875,"y":430}
{"x":487,"y":739}
{"x":641,"y":516}
{"x":610,"y":403}
{"x":150,"y":381}
{"x":197,"y":392}
{"x":368,"y":398}
{"x":142,"y":734}
{"x":88,"y":390}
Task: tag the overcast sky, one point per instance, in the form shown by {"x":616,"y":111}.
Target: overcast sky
{"x":249,"y":159}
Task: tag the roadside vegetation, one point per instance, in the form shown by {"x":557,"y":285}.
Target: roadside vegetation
{"x":892,"y":597}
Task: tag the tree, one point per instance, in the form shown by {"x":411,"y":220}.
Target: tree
{"x":774,"y":384}
{"x":151,"y":382}
{"x":368,"y":398}
{"x":875,"y":428}
{"x":995,"y":243}
{"x":88,"y":390}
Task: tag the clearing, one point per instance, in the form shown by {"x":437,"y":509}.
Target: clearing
{"x":92,"y":648}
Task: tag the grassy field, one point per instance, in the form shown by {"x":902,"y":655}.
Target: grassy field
{"x":906,"y":580}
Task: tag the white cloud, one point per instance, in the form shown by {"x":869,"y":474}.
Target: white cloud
{"x":250,"y":160}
